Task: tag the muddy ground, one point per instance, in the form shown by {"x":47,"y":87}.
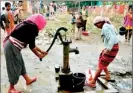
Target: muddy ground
{"x":121,"y":68}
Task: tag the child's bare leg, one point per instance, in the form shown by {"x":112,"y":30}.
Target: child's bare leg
{"x":107,"y":73}
{"x":97,"y":74}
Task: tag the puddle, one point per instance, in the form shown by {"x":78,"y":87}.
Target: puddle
{"x":125,"y":84}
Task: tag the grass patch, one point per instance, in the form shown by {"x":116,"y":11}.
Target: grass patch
{"x":64,"y":20}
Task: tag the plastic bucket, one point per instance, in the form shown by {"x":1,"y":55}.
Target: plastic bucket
{"x":85,"y":33}
{"x":78,"y":81}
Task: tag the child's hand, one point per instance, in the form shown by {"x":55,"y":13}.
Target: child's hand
{"x":105,"y":51}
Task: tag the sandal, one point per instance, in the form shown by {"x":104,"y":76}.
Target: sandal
{"x":13,"y":91}
{"x":32,"y":81}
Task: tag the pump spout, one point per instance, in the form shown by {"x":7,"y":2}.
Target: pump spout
{"x":75,"y":50}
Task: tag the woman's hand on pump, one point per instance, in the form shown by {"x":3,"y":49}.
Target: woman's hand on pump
{"x":43,"y":52}
{"x":42,"y":55}
{"x":38,"y":52}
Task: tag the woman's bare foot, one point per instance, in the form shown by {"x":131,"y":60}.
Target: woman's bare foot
{"x":30,"y":81}
{"x":13,"y":90}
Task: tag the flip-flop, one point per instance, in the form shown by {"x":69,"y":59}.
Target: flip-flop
{"x":14,"y":91}
{"x":32,"y":81}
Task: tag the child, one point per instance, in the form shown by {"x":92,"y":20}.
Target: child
{"x":47,"y":11}
{"x":73,"y":23}
{"x":128,"y":24}
{"x":84,"y":15}
{"x":23,"y":34}
{"x":79,"y":25}
{"x":111,"y":48}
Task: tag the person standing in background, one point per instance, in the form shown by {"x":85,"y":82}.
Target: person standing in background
{"x":15,"y":12}
{"x":84,"y":16}
{"x":128,"y":24}
{"x":14,"y":6}
{"x":9,"y":25}
{"x":21,"y":12}
{"x":73,"y":21}
{"x":2,"y":18}
{"x":79,"y":26}
{"x":51,"y":9}
{"x":55,"y":6}
{"x":3,"y":11}
{"x":42,"y":9}
{"x":47,"y":11}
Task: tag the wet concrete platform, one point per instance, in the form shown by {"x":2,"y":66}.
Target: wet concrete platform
{"x":102,"y":86}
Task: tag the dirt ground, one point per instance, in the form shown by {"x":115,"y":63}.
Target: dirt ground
{"x":121,"y":68}
{"x":89,"y":48}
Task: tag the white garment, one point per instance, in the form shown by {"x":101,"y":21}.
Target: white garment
{"x":3,"y":12}
{"x":51,"y":8}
